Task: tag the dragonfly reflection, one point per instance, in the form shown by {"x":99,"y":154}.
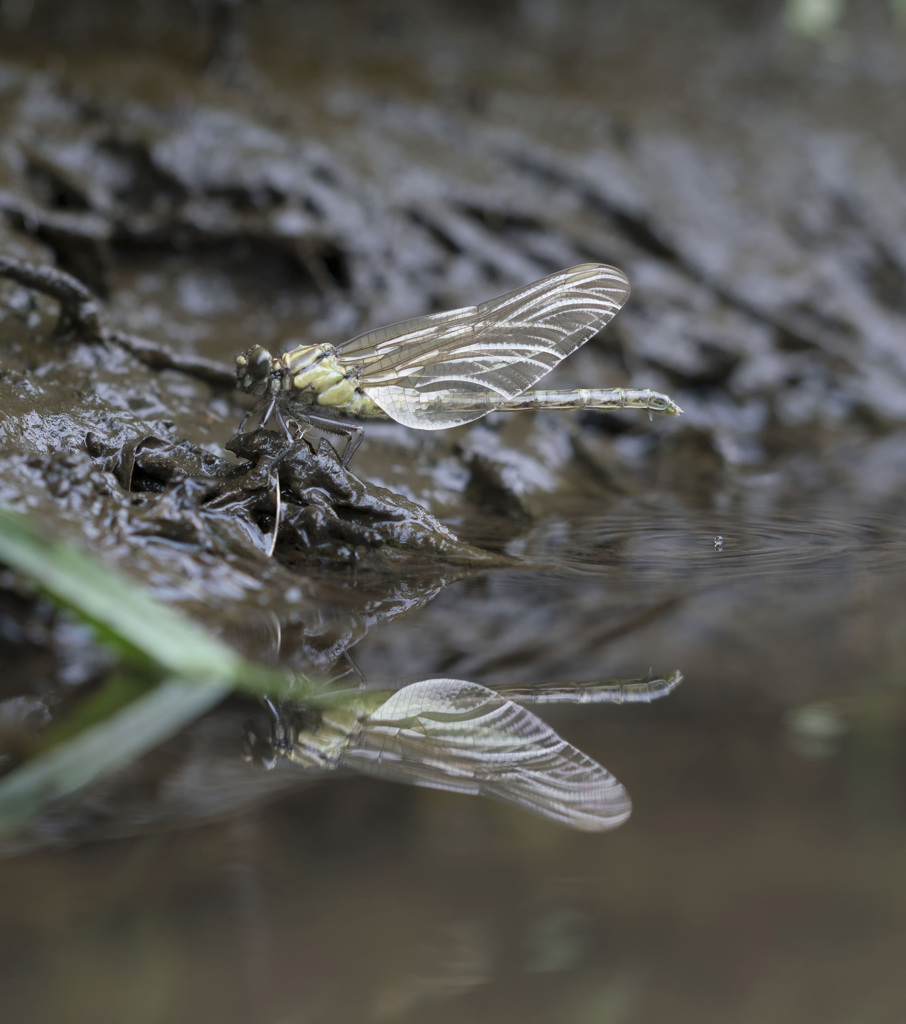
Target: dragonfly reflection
{"x":460,"y":736}
{"x":450,"y":368}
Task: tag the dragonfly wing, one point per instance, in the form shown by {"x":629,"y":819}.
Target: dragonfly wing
{"x":460,"y":736}
{"x":489,"y":352}
{"x":429,"y":409}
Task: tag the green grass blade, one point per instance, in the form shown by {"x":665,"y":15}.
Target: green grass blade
{"x":132,"y":713}
{"x":121,"y":738}
{"x":113,"y":603}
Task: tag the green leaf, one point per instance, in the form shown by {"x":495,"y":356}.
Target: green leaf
{"x":112,"y":603}
{"x":122,"y":737}
{"x":132,"y":712}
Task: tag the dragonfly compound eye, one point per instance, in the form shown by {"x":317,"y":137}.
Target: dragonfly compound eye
{"x":257,"y":362}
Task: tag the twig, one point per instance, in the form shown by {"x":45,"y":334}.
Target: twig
{"x":82,"y":315}
{"x":79,"y":310}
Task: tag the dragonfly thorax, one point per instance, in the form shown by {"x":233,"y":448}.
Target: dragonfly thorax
{"x":307,"y":736}
{"x":319,"y":741}
{"x":314,"y":373}
{"x":308,"y":375}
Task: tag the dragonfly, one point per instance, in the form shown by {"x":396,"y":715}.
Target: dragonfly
{"x":447,"y":369}
{"x":460,"y":736}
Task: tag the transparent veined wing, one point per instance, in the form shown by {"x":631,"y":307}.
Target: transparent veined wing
{"x":489,"y":352}
{"x":457,"y":735}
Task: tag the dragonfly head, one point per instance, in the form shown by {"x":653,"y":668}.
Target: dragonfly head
{"x":256,"y":372}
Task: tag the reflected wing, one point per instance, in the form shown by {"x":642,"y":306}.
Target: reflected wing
{"x":490,"y":352}
{"x":455,"y":735}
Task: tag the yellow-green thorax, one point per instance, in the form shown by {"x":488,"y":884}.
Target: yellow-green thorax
{"x":308,"y":375}
{"x":326,"y":734}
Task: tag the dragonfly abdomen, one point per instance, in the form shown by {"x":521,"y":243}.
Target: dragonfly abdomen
{"x":435,"y":410}
{"x":608,"y":399}
{"x":630,"y":691}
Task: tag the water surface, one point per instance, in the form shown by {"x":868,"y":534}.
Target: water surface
{"x":759,"y":875}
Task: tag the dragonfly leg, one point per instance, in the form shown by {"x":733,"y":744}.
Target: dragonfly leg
{"x":281,"y":423}
{"x":267,"y":406}
{"x":270,"y":408}
{"x":350,"y":431}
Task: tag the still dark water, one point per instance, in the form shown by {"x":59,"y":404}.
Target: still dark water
{"x":760,"y":876}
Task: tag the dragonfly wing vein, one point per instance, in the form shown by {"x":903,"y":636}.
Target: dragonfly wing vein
{"x":383,"y":340}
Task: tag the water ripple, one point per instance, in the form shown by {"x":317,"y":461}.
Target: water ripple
{"x":717,"y":546}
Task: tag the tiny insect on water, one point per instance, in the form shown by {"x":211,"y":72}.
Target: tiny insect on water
{"x":460,"y":736}
{"x":447,"y":369}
